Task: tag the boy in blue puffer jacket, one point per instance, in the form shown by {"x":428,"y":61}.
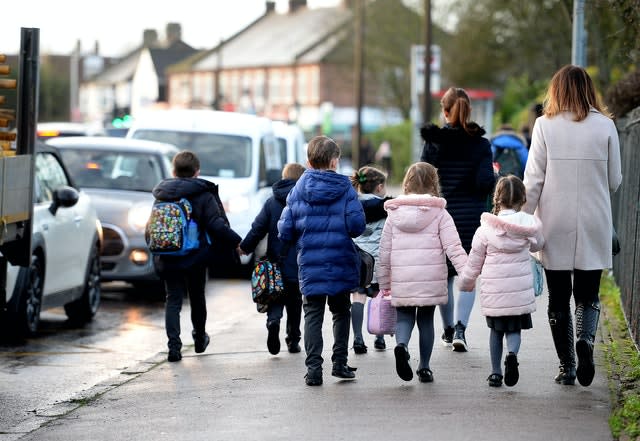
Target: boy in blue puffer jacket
{"x":266,"y":223}
{"x":322,"y":216}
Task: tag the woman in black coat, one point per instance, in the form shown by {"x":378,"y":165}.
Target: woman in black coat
{"x":464,"y":162}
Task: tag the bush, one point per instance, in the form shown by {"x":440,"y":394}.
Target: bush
{"x":624,"y":96}
{"x":399,"y":137}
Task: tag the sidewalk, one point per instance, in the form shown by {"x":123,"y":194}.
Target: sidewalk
{"x":237,"y":391}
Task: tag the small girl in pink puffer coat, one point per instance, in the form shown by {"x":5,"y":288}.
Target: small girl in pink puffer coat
{"x":417,"y":237}
{"x":500,"y":253}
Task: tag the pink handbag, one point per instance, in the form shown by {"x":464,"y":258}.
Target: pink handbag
{"x":381,"y":316}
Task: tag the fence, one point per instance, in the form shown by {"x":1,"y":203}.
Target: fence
{"x":626,"y":219}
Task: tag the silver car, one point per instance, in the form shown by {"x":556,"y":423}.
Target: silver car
{"x":64,"y":269}
{"x":119,"y":174}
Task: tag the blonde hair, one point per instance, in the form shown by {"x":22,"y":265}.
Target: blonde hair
{"x":421,"y":178}
{"x":367,"y":178}
{"x":571,"y":90}
{"x":321,"y":150}
{"x":292,"y":170}
{"x":510,"y":193}
{"x":456,"y":103}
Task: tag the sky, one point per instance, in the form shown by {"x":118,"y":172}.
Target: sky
{"x":118,"y":25}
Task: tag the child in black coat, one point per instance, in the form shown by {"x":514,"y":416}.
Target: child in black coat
{"x":266,"y":222}
{"x":187,"y":275}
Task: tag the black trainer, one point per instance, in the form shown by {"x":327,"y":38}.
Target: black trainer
{"x":313,"y":380}
{"x":447,"y":336}
{"x":459,"y":342}
{"x":511,"y":374}
{"x":495,"y":380}
{"x":359,"y":347}
{"x":174,"y":355}
{"x":293,"y":347}
{"x":343,"y":371}
{"x":425,"y":375}
{"x":379,"y":343}
{"x":403,"y":368}
{"x":201,"y":341}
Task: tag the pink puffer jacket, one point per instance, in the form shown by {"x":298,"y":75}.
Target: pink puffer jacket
{"x":417,"y":236}
{"x":500,"y":255}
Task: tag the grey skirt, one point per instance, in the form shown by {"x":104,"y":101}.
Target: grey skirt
{"x":510,"y":323}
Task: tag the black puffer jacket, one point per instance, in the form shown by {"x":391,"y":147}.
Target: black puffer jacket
{"x":266,"y":222}
{"x":208,"y":213}
{"x":465,"y":168}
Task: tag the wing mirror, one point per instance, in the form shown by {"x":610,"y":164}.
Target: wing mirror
{"x":63,"y":197}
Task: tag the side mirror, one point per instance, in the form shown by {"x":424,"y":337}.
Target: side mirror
{"x":63,"y":197}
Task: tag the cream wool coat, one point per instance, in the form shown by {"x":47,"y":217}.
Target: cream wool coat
{"x":500,"y":255}
{"x":571,"y":170}
{"x":417,"y":236}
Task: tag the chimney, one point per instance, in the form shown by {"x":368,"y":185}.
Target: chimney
{"x":270,"y":7}
{"x":149,"y":37}
{"x":174,"y":32}
{"x":294,"y":5}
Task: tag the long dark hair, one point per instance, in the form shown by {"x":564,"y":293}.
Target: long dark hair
{"x":457,"y":104}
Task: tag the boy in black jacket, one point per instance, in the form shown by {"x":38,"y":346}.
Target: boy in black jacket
{"x":266,"y":222}
{"x":188,"y":274}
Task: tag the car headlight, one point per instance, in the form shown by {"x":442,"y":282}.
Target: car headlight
{"x":237,"y":204}
{"x":138,"y":216}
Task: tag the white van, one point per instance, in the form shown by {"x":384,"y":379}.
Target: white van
{"x":237,"y":151}
{"x":291,"y":142}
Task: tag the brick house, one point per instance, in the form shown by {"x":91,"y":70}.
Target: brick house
{"x":295,"y":66}
{"x":138,"y":81}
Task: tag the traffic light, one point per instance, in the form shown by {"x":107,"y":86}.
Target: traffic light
{"x":7,"y":116}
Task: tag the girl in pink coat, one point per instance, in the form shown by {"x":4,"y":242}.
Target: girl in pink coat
{"x":500,"y":252}
{"x":417,"y":237}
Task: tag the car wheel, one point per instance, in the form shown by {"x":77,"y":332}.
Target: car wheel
{"x":31,"y":284}
{"x":82,"y":310}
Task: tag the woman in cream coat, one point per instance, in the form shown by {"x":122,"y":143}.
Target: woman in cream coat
{"x":573,"y":165}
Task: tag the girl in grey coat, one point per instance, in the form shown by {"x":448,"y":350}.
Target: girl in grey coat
{"x":573,"y":166}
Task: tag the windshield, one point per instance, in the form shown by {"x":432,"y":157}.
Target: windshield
{"x":113,"y":170}
{"x":226,"y":156}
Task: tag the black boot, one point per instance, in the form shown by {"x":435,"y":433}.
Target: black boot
{"x":586,"y":325}
{"x":562,"y":333}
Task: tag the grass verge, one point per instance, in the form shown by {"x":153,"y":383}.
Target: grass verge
{"x":623,"y":364}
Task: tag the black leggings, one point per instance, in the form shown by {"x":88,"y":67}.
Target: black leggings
{"x":585,"y":290}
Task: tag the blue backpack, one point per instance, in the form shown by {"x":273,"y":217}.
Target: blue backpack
{"x":170,"y":230}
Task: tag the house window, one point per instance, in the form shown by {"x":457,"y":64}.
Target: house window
{"x":275,"y":82}
{"x":287,"y":86}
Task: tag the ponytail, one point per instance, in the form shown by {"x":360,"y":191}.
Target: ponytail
{"x":456,"y":102}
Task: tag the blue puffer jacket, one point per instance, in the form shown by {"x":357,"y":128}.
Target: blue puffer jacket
{"x":266,"y":222}
{"x":322,"y":217}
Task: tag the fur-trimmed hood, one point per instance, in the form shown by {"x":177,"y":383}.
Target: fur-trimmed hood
{"x":450,"y":135}
{"x":413,"y":213}
{"x":507,"y":232}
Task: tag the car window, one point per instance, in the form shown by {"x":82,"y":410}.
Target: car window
{"x":226,"y":156}
{"x":92,"y":168}
{"x":49,"y":176}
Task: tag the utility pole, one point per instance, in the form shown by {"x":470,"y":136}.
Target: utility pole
{"x":426,"y":114}
{"x":579,"y":37}
{"x":358,"y":61}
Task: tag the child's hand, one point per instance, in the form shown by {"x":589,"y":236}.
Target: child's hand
{"x":385,"y":292}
